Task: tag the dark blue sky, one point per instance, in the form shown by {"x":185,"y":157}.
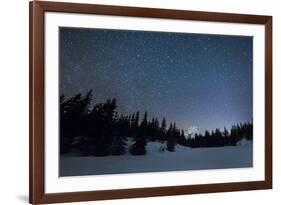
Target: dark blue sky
{"x":192,"y":79}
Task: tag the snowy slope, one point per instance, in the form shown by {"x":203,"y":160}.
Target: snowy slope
{"x":184,"y":158}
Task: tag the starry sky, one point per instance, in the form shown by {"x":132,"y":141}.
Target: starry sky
{"x":193,"y":79}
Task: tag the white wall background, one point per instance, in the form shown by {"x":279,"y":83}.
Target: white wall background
{"x":14,"y":100}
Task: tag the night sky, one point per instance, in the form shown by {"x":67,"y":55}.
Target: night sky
{"x":192,"y":79}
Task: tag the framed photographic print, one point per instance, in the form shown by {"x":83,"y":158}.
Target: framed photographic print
{"x":139,"y":102}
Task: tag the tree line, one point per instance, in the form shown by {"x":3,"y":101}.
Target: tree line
{"x":99,"y":130}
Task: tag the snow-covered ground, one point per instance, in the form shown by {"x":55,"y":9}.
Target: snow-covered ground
{"x":184,"y":158}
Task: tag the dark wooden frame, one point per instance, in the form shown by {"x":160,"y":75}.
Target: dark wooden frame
{"x":36,"y":143}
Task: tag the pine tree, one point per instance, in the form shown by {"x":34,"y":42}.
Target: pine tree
{"x":100,"y":124}
{"x":131,"y":129}
{"x":120,"y":134}
{"x":119,"y":145}
{"x":249,"y":130}
{"x":156,"y":130}
{"x":233,"y":136}
{"x":226,"y":137}
{"x":208,"y":139}
{"x":219,"y":141}
{"x":176,"y":133}
{"x":135,"y":125}
{"x":171,"y":139}
{"x":182,"y":139}
{"x":163,"y":130}
{"x":73,"y":112}
{"x":153,"y":130}
{"x":138,"y":148}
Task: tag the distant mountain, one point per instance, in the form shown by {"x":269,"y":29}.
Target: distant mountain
{"x":191,"y":131}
